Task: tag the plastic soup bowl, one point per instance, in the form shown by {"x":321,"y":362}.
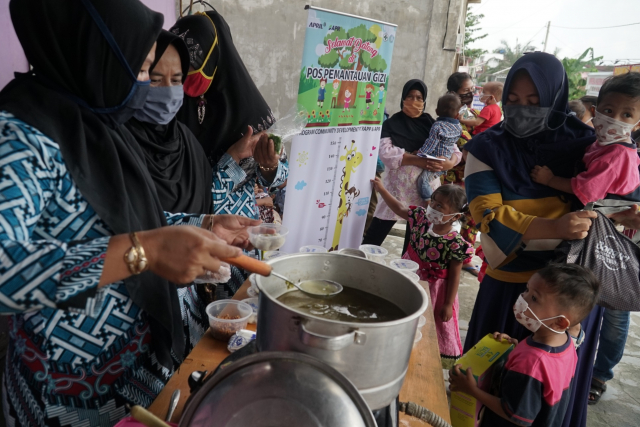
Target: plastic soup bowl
{"x":227,"y":316}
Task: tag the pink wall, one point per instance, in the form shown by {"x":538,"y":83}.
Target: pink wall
{"x":12,"y":58}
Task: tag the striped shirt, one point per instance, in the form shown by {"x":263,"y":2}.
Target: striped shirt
{"x":503,"y":217}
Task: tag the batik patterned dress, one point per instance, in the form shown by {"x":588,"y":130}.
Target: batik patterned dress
{"x":77,"y":354}
{"x":228,"y":199}
{"x":434,"y":253}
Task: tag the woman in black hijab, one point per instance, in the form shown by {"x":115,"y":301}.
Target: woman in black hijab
{"x":222,"y":102}
{"x":174,"y":157}
{"x":402,"y":135}
{"x":87,"y":265}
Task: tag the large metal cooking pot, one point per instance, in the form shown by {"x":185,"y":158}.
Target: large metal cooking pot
{"x":374,"y":356}
{"x":277,"y":389}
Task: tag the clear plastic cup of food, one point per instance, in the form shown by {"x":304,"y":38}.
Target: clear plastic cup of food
{"x":421,"y":321}
{"x":417,"y":338}
{"x":228,"y":316}
{"x":404,"y":265}
{"x":375,"y":253}
{"x":267,"y":237}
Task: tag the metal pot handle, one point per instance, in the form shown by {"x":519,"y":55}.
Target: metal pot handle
{"x":327,"y":342}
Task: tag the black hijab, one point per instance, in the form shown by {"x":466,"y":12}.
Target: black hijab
{"x":233,"y":101}
{"x":561,"y":149}
{"x":175,"y":159}
{"x":73,"y":63}
{"x":404,"y":131}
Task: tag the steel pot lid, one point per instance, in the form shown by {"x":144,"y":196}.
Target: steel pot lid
{"x":273,"y":389}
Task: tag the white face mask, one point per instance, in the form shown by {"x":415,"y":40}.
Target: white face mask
{"x":531,"y":324}
{"x":609,"y":130}
{"x":437,"y":217}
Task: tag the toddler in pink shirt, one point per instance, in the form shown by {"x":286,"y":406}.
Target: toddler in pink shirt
{"x":612,"y":161}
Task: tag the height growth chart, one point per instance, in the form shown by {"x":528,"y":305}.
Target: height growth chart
{"x":343,"y":81}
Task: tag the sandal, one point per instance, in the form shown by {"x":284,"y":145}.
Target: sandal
{"x":597,"y":390}
{"x":473,"y":269}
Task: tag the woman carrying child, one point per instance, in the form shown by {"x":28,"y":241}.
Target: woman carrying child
{"x":440,"y":251}
{"x":522,"y":222}
{"x":402,"y":135}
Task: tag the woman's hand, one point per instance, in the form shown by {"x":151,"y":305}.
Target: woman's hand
{"x":629,"y":219}
{"x":180,"y":254}
{"x":265,"y":153}
{"x":233,"y":229}
{"x":446,"y":313}
{"x":245,"y":147}
{"x":574,"y":225}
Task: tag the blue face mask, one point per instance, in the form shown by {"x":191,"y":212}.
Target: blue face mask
{"x":162,"y":105}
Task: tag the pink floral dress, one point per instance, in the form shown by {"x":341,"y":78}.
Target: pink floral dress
{"x":434,"y":253}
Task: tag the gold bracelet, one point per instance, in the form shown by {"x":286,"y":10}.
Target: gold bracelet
{"x":135,"y":257}
{"x":267,"y":169}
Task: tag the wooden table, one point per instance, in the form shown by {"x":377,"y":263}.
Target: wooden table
{"x":423,"y":384}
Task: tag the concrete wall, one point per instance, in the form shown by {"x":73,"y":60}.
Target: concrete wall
{"x":269,"y":34}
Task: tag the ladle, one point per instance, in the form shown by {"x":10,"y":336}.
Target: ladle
{"x":316,"y":287}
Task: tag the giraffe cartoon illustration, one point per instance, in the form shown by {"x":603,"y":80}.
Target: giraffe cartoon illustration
{"x":352,"y":159}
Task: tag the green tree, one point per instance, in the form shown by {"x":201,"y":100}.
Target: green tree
{"x":575,"y":67}
{"x":470,"y":36}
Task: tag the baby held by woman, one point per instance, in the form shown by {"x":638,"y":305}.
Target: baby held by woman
{"x":612,"y":161}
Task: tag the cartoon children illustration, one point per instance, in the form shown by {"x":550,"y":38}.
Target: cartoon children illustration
{"x":334,"y":98}
{"x":380,"y":95}
{"x":321,"y":92}
{"x":347,"y":100}
{"x":368,"y":91}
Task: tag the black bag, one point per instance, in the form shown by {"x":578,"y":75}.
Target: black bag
{"x":613,"y":258}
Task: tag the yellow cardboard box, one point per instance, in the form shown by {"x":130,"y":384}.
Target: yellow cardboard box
{"x":482,"y":358}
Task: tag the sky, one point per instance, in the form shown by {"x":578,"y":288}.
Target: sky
{"x":526,"y":20}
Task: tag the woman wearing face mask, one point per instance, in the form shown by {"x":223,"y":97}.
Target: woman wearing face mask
{"x":522,"y":222}
{"x":89,"y":267}
{"x":402,"y":135}
{"x":223,"y":108}
{"x":226,"y":112}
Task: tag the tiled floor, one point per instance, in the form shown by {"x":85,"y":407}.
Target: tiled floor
{"x":619,"y":406}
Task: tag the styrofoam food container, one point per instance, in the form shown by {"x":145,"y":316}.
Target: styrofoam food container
{"x":313,"y":249}
{"x":223,"y":329}
{"x":253,"y":302}
{"x":404,"y":265}
{"x":374,"y":253}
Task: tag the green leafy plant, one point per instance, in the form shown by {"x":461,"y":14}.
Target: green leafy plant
{"x":471,"y":27}
{"x":575,"y":67}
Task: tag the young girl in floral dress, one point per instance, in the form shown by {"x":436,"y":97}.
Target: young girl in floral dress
{"x":440,"y":251}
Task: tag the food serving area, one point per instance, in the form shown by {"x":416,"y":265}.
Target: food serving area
{"x":423,"y":383}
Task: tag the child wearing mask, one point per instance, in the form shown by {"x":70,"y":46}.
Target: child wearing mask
{"x":440,"y":252}
{"x":536,"y":382}
{"x":612,"y":161}
{"x":443,"y":136}
{"x":491,"y":114}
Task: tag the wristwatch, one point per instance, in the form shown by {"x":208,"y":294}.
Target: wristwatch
{"x":135,"y":257}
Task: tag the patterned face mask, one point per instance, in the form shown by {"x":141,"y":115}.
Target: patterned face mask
{"x":437,"y":217}
{"x":610,"y":130}
{"x":532,"y":324}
